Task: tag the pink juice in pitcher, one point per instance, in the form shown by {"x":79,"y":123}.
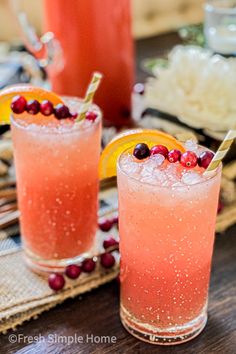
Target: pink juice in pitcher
{"x":95,"y":35}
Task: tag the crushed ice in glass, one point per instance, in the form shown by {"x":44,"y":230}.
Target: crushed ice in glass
{"x":156,"y":170}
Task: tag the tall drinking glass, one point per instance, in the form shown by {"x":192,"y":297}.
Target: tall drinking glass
{"x":167,"y":224}
{"x":57,"y":185}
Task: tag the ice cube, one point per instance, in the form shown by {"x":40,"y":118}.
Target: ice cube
{"x":191,"y":178}
{"x":148,"y":179}
{"x":158,"y":159}
{"x":191,"y":145}
{"x":178,"y":184}
{"x":130,"y":166}
{"x":151,"y":165}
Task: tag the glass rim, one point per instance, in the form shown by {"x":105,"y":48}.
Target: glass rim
{"x":187,"y":186}
{"x":210,"y":6}
{"x":77,"y":126}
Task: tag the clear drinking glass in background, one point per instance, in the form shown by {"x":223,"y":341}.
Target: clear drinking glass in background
{"x":166,"y":243}
{"x":57,"y":186}
{"x":220,"y":26}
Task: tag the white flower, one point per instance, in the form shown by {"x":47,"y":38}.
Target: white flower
{"x":197,"y":87}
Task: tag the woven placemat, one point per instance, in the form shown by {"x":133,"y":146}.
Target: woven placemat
{"x":25,"y":294}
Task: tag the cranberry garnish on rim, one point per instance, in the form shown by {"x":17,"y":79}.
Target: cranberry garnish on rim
{"x":159,"y":149}
{"x":105,"y":225}
{"x":107,"y":260}
{"x":91,"y":115}
{"x":73,"y":115}
{"x":33,"y":107}
{"x":18,"y":104}
{"x":189,"y":159}
{"x":88,"y":265}
{"x":173,"y":155}
{"x":110,"y":242}
{"x":205,"y":159}
{"x":73,"y":271}
{"x":141,"y":151}
{"x":61,"y":111}
{"x":56,"y":281}
{"x":46,"y":108}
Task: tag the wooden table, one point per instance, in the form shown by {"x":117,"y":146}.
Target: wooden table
{"x":97,"y":313}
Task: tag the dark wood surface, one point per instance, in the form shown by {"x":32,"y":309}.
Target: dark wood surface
{"x":97,"y":313}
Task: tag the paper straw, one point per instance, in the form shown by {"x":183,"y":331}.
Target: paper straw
{"x":221,"y":152}
{"x":92,"y":88}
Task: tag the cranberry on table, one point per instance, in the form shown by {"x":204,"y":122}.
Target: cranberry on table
{"x":33,"y":107}
{"x":107,"y":260}
{"x":159,"y":149}
{"x":205,"y":159}
{"x":18,"y":104}
{"x":141,"y":151}
{"x":88,"y":265}
{"x":189,"y":159}
{"x":91,"y":115}
{"x":73,"y":271}
{"x":173,"y":155}
{"x":105,"y":225}
{"x":61,"y":111}
{"x":110,"y":242}
{"x":46,"y":108}
{"x":115,"y":220}
{"x":56,"y":281}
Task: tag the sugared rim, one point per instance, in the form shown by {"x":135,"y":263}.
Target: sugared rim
{"x":47,"y":129}
{"x":214,"y":176}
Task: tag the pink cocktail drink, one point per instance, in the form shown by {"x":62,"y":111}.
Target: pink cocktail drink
{"x":167,"y":219}
{"x":57,"y":185}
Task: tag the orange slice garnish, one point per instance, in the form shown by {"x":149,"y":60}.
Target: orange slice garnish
{"x":29,"y":92}
{"x":127,"y":140}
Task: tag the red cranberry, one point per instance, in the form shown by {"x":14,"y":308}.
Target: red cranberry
{"x":56,"y":281}
{"x":61,"y":111}
{"x":115,"y":220}
{"x":91,"y":115}
{"x":107,"y":260}
{"x":110,"y":242}
{"x":159,"y":149}
{"x":139,"y":88}
{"x":46,"y":108}
{"x":188,"y":159}
{"x":73,"y":271}
{"x":18,"y":104}
{"x":173,"y":155}
{"x":141,"y":151}
{"x":88,"y":265}
{"x":220,"y":206}
{"x":73,"y":115}
{"x":105,"y":225}
{"x":205,"y":159}
{"x":33,"y":107}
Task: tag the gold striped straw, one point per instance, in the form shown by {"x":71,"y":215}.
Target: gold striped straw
{"x":221,"y":152}
{"x":92,"y":88}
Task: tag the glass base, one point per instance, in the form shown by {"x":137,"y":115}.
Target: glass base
{"x":40,"y":265}
{"x":160,"y":336}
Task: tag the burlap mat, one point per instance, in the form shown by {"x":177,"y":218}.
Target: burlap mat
{"x":24,"y":294}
